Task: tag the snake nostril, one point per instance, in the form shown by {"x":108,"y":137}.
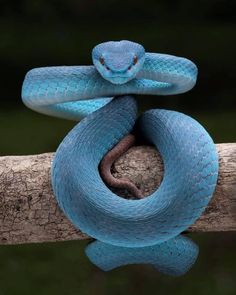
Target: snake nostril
{"x":129,"y":68}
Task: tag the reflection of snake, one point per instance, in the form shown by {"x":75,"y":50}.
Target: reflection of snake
{"x":168,"y":257}
{"x":188,"y":153}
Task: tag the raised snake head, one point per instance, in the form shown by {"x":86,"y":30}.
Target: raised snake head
{"x":118,"y":61}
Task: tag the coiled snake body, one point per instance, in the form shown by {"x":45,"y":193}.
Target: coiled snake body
{"x":190,"y":159}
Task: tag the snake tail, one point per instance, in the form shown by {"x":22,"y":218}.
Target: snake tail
{"x":106,"y":164}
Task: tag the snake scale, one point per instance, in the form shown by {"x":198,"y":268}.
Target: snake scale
{"x":144,"y":230}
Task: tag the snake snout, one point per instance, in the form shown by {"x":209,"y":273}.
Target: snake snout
{"x":118,"y":70}
{"x":119,"y":65}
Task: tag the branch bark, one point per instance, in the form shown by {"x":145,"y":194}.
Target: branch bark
{"x":29,"y":211}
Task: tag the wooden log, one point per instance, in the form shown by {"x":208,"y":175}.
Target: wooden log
{"x":29,"y":211}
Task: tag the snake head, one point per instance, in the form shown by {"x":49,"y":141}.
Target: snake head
{"x":118,"y":61}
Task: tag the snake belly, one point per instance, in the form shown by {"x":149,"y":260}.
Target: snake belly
{"x":188,"y":152}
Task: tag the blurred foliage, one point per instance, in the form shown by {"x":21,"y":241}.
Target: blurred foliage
{"x":42,"y":33}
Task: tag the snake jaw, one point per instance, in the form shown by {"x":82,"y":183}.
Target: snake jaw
{"x":118,"y":80}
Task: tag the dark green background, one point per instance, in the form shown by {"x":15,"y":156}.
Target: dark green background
{"x":43,"y":33}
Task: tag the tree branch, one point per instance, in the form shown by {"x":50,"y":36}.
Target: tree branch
{"x":29,"y":211}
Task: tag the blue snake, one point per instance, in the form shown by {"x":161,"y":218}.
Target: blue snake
{"x":102,"y":95}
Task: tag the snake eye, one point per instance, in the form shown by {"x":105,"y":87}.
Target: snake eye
{"x":135,"y":60}
{"x":101,"y":59}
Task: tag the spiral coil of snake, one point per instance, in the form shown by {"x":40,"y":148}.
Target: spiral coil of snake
{"x":128,"y":231}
